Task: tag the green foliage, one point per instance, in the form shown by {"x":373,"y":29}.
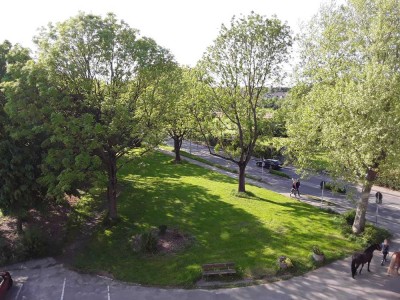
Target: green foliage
{"x":148,"y":242}
{"x":21,"y":133}
{"x":162,"y":229}
{"x":317,"y":250}
{"x":371,"y":235}
{"x":251,"y":232}
{"x":389,"y":177}
{"x":345,"y":101}
{"x":335,"y":187}
{"x":115,"y":86}
{"x":279,"y":173}
{"x":6,"y":252}
{"x":349,"y":216}
{"x":374,"y":235}
{"x":250,"y":45}
{"x":34,"y":243}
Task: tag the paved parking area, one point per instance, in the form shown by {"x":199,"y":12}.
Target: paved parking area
{"x":46,"y":279}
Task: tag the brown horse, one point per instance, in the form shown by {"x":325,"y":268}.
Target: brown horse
{"x":394,"y":264}
{"x":362,"y":258}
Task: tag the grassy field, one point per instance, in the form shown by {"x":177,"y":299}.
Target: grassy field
{"x":252,"y":232}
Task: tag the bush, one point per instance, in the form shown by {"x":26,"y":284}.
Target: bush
{"x":6,"y":253}
{"x":162,"y":229}
{"x":148,"y":242}
{"x":349,"y":216}
{"x":316,"y":250}
{"x":34,"y":243}
{"x":279,"y":173}
{"x":335,"y":188}
{"x":374,"y":235}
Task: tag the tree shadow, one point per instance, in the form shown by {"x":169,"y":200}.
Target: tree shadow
{"x":157,"y":193}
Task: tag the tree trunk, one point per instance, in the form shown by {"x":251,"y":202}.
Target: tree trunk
{"x":112,"y":186}
{"x":19,"y":225}
{"x":362,"y":205}
{"x":242,"y":178}
{"x":177,"y":148}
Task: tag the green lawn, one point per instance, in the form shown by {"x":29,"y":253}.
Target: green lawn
{"x":252,"y":232}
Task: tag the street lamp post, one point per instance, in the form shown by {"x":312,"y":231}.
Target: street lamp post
{"x":322,"y":184}
{"x":262,"y":169}
{"x":378,"y":200}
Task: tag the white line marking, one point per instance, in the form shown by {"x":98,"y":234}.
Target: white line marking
{"x":19,"y":291}
{"x":108,"y":292}
{"x":62,"y":294}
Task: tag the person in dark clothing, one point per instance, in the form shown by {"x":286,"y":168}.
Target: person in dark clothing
{"x":297,"y":186}
{"x":385,"y":250}
{"x":293,"y":190}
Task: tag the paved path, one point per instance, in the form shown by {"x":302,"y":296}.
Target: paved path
{"x":47,"y":279}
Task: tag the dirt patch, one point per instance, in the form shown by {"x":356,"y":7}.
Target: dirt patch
{"x":171,"y":241}
{"x":45,"y":233}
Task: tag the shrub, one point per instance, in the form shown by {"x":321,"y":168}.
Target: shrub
{"x":316,"y":250}
{"x":285,"y":262}
{"x":349,"y":216}
{"x":374,"y":235}
{"x":6,"y":252}
{"x":34,"y":243}
{"x":162,"y":229}
{"x":332,"y":187}
{"x":148,"y":242}
{"x":279,"y":173}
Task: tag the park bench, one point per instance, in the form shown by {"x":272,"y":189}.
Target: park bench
{"x":218,"y":269}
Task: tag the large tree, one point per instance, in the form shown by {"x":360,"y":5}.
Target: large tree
{"x":244,"y":59}
{"x":112,"y":79}
{"x":184,"y":94}
{"x":20,"y":140}
{"x":346,"y":100}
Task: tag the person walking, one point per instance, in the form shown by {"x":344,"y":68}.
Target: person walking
{"x":385,"y":250}
{"x":297,"y":186}
{"x":293,"y":190}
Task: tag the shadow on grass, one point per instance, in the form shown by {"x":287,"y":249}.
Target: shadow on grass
{"x":155,"y":193}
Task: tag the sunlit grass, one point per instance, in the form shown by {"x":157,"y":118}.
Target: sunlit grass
{"x":250,"y":231}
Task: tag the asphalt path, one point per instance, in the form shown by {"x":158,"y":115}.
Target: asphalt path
{"x":49,"y":279}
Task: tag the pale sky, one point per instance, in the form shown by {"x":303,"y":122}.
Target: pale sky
{"x":185,"y":27}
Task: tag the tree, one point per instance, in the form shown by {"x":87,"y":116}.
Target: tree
{"x":238,"y":66}
{"x":183,"y":94}
{"x":346,"y":100}
{"x":20,"y":143}
{"x":112,"y":79}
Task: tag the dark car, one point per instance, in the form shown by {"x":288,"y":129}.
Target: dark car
{"x":5,"y":284}
{"x":267,"y":163}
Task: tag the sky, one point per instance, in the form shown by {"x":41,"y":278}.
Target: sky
{"x":185,"y":27}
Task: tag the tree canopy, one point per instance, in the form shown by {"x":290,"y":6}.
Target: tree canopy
{"x":20,"y":142}
{"x":110,"y":79}
{"x":346,"y":99}
{"x":245,"y":57}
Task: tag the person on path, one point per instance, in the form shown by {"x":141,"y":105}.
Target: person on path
{"x":385,"y":250}
{"x":297,"y":186}
{"x":293,"y":190}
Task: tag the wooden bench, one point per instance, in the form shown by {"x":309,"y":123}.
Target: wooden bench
{"x":218,"y":269}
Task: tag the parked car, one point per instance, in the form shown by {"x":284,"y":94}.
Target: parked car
{"x":267,"y":163}
{"x":5,"y":284}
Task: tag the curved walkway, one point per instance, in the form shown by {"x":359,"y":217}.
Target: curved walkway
{"x":46,"y":279}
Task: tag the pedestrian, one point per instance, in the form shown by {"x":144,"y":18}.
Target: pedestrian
{"x":385,"y":250}
{"x":297,"y":186}
{"x":293,"y":190}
